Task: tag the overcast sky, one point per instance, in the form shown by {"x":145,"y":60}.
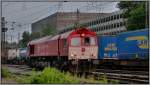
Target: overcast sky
{"x":25,"y":13}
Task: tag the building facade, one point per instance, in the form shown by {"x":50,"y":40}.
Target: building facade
{"x":111,"y":23}
{"x":60,"y":20}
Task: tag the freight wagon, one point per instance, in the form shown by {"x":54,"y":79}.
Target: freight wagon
{"x":107,"y":50}
{"x":133,"y":47}
{"x":107,"y":47}
{"x":23,"y":52}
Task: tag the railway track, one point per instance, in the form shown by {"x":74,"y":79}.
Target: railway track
{"x":124,"y":76}
{"x":20,"y":69}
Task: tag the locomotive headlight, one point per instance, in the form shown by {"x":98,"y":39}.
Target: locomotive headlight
{"x":82,"y":35}
{"x":72,"y":55}
{"x":93,"y":55}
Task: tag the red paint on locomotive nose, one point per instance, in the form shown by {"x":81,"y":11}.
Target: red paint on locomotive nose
{"x":83,"y":49}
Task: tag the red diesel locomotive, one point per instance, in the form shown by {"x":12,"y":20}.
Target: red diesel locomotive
{"x":77,"y":49}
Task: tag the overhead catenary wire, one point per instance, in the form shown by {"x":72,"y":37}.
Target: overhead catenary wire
{"x":28,"y":8}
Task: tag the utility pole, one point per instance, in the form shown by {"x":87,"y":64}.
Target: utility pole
{"x":3,"y":48}
{"x":77,"y":22}
{"x":19,"y":34}
{"x":12,"y":33}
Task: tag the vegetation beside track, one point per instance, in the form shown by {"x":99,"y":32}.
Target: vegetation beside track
{"x":5,"y":73}
{"x":53,"y":76}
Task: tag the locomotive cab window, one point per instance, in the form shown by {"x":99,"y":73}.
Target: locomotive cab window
{"x":75,"y":41}
{"x":89,"y":41}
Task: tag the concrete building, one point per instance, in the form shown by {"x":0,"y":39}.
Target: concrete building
{"x":111,"y":23}
{"x":60,"y":20}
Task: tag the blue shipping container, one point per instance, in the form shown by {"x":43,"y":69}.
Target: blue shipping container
{"x":133,"y":44}
{"x":23,"y":52}
{"x":107,"y":47}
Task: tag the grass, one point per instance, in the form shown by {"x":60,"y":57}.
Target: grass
{"x":54,"y":76}
{"x":51,"y":76}
{"x":5,"y":73}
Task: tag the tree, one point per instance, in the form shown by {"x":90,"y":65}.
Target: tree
{"x":25,"y":39}
{"x":136,"y":14}
{"x":34,"y":35}
{"x":48,"y":30}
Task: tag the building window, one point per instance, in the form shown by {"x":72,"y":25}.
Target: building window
{"x":104,"y":19}
{"x":106,"y":27}
{"x":121,"y":15}
{"x":99,"y":28}
{"x":111,"y":17}
{"x":112,"y":26}
{"x":118,"y":16}
{"x":114,"y":16}
{"x":117,"y":24}
{"x":121,"y":24}
{"x":107,"y":18}
{"x":102,"y":28}
{"x":95,"y":30}
{"x":94,"y":22}
{"x":99,"y":21}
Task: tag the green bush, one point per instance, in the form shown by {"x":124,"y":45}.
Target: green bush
{"x":5,"y":72}
{"x":54,"y":76}
{"x":51,"y":76}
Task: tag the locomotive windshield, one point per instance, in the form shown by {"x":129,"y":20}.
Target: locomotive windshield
{"x":75,"y":41}
{"x":89,"y":41}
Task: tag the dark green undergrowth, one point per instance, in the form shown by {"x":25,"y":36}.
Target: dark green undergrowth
{"x":5,"y":73}
{"x":54,"y":76}
{"x":50,"y":76}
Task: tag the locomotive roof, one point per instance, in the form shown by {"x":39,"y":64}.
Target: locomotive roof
{"x":62,"y":36}
{"x":83,"y":30}
{"x":40,"y":40}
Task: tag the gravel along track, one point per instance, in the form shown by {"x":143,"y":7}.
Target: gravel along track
{"x":20,"y":69}
{"x":124,"y":76}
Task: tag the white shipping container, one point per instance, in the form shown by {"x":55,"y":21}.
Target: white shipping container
{"x":12,"y":53}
